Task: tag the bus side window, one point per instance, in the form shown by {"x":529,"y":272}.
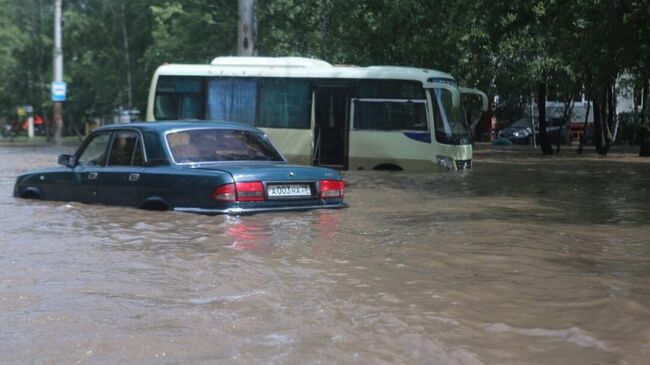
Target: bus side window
{"x":232,"y":100}
{"x":284,"y":103}
{"x":166,"y":107}
{"x":178,"y":97}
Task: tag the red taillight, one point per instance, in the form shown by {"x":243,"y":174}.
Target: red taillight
{"x":331,"y":189}
{"x":252,"y":191}
{"x":241,"y":191}
{"x":225,"y":193}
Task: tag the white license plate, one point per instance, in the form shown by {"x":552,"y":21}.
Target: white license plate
{"x":275,"y":191}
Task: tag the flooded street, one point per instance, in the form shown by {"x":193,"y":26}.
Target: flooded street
{"x":522,"y":260}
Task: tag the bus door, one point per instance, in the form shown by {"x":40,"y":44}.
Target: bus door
{"x":332,"y":125}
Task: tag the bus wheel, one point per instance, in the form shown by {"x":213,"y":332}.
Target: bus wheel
{"x":387,"y":167}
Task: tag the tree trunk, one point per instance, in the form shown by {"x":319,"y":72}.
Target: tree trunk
{"x":547,"y":149}
{"x":645,"y":103}
{"x":48,"y":127}
{"x":323,"y":19}
{"x":583,"y":138}
{"x":568,"y":111}
{"x":612,"y":118}
{"x":645,"y":119}
{"x":601,"y":128}
{"x":246,"y":29}
{"x":638,"y":95}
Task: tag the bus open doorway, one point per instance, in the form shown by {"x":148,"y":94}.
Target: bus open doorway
{"x":332,"y":124}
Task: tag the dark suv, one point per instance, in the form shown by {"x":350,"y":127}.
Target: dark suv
{"x":520,"y":132}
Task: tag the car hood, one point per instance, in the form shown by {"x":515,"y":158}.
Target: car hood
{"x":271,"y":171}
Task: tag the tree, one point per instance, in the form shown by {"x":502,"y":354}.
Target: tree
{"x":25,"y":49}
{"x":509,"y":49}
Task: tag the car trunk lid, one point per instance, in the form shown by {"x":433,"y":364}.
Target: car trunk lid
{"x":271,"y":172}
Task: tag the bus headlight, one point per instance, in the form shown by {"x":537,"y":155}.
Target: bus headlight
{"x":445,"y":162}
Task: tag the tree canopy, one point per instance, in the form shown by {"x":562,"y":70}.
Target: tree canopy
{"x":505,"y":47}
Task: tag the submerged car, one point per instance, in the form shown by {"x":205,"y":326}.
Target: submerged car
{"x":200,"y":167}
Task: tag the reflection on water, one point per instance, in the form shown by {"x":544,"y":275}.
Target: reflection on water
{"x":522,"y":260}
{"x":261,"y":234}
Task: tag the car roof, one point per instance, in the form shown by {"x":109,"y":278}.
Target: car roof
{"x":178,"y":125}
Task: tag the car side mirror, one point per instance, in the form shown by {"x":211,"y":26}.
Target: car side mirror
{"x":67,"y":160}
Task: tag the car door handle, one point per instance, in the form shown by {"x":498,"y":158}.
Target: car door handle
{"x":134,"y":177}
{"x":92,"y":176}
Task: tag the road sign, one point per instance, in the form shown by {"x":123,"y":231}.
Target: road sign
{"x":59,"y":90}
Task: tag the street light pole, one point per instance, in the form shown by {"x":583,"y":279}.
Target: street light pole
{"x":58,"y":72}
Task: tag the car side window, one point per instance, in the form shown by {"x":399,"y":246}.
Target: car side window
{"x":124,"y":150}
{"x":95,"y":152}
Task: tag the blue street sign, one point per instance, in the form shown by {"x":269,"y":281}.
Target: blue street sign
{"x":59,"y":90}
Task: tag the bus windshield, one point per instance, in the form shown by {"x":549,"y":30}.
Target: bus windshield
{"x":449,"y":121}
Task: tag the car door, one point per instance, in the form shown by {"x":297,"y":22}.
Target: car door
{"x":119,"y":181}
{"x":91,"y":159}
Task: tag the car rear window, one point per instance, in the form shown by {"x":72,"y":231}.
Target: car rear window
{"x":216,"y":144}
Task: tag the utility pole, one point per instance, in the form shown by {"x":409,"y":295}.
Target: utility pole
{"x":246,"y":29}
{"x":57,"y":84}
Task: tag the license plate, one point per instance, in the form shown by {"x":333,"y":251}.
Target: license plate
{"x":289,"y":190}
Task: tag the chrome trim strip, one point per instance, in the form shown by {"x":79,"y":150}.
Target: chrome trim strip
{"x":239,"y":210}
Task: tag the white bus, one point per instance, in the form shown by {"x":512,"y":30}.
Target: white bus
{"x":347,"y":117}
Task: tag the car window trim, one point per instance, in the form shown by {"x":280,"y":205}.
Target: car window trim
{"x":87,"y":142}
{"x":139,"y":140}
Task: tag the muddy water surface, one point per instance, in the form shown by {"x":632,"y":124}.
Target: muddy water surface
{"x":522,"y":260}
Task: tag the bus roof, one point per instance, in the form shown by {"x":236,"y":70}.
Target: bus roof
{"x":269,"y":62}
{"x":298,"y":67}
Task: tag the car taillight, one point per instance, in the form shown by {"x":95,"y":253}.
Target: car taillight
{"x":241,"y":191}
{"x":225,"y":193}
{"x":331,"y":189}
{"x":252,"y":191}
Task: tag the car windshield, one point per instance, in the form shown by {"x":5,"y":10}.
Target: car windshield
{"x":217,"y":144}
{"x":450,"y":124}
{"x":523,"y":123}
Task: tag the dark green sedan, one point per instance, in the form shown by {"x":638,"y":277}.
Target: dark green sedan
{"x":199,"y":167}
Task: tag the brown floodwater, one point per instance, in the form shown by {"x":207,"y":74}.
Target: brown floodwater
{"x":522,"y":260}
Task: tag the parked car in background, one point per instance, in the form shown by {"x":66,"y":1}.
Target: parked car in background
{"x":521,"y":131}
{"x":200,"y":167}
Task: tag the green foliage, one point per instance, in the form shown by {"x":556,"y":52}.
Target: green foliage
{"x":501,"y":46}
{"x":24,"y":50}
{"x":191,"y":31}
